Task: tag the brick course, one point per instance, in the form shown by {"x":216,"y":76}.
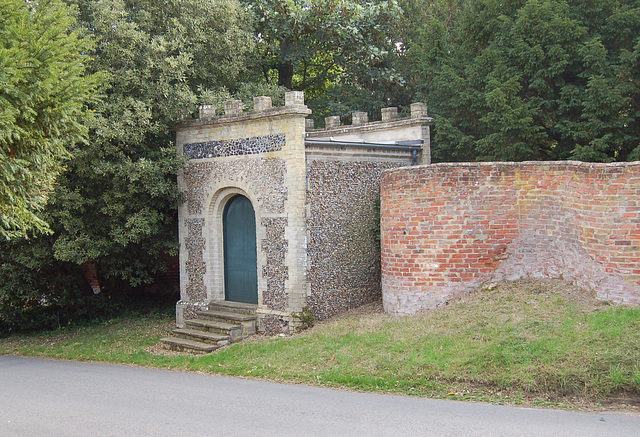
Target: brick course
{"x":448,"y":227}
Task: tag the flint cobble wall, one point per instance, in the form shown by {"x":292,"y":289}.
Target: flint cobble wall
{"x":343,"y":251}
{"x":448,"y":227}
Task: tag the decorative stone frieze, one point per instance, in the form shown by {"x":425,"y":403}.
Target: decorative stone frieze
{"x":235,"y":147}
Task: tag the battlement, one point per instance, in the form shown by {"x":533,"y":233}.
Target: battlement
{"x":233,"y":112}
{"x":360,"y":122}
{"x":390,"y":129}
{"x":390,"y":137}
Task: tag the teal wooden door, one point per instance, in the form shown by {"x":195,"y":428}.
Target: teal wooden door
{"x":240,"y":260}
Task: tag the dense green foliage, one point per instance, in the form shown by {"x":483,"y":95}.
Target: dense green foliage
{"x":114,"y":205}
{"x":116,"y":202}
{"x":529,"y":79}
{"x":43,"y":89}
{"x":339,"y":52}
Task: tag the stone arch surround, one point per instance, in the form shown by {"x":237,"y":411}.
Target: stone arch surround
{"x":215,"y":251}
{"x":447,"y":228}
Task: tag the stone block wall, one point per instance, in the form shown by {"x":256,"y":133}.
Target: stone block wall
{"x":447,"y":228}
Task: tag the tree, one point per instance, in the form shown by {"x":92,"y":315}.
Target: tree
{"x":116,"y":202}
{"x":113,"y":211}
{"x":339,"y":52}
{"x":530,"y":79}
{"x":43,"y":91}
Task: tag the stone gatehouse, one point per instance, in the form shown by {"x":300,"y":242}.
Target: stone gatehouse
{"x":283,"y":216}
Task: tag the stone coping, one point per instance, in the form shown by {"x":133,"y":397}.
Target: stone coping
{"x":496,"y":165}
{"x":369,"y":127}
{"x":301,"y":110}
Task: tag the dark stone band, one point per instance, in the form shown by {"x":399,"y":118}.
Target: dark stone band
{"x":240,"y":146}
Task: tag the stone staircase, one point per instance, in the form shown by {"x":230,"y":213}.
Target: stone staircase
{"x":223,"y":323}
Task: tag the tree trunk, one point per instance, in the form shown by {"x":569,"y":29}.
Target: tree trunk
{"x":285,"y":74}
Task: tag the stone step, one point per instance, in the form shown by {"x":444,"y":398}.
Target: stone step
{"x":226,"y":315}
{"x":247,"y":321}
{"x":202,"y":336}
{"x":184,"y":345}
{"x":233,"y":307}
{"x":233,"y":330}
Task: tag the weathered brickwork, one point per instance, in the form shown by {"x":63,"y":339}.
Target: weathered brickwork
{"x":235,"y":147}
{"x":448,"y":227}
{"x":343,"y":252}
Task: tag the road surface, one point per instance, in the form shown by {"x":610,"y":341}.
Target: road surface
{"x":40,"y":397}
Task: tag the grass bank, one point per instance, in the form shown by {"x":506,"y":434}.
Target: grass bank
{"x":528,"y":342}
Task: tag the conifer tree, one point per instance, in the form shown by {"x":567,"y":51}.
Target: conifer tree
{"x":43,"y":91}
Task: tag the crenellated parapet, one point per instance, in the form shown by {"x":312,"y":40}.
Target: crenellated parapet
{"x":397,"y":134}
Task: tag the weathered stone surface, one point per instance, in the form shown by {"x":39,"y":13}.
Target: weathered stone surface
{"x":196,"y":268}
{"x":262,"y":103}
{"x":389,"y":114}
{"x":265,"y":176}
{"x":343,"y":252}
{"x":274,"y":324}
{"x":275,"y":271}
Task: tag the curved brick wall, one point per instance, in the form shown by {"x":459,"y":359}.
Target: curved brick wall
{"x":448,"y":227}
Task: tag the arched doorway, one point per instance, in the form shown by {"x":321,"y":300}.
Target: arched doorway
{"x":240,"y":260}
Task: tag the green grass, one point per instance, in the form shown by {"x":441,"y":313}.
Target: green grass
{"x":533,"y":343}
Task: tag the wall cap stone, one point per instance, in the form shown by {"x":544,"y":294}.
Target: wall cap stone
{"x":496,"y":165}
{"x":371,"y":127}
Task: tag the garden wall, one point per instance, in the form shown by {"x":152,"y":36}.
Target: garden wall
{"x":446,"y":228}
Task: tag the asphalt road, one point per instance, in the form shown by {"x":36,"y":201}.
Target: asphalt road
{"x":41,"y":397}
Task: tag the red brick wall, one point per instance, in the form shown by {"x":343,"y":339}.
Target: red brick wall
{"x":448,"y":227}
